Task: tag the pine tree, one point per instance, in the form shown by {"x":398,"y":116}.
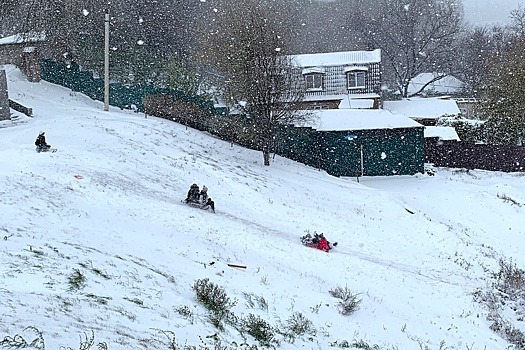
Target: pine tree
{"x":503,"y":100}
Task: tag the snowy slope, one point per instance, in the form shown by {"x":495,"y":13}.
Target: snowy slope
{"x":108,"y":205}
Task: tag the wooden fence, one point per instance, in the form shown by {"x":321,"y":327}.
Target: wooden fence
{"x":469,"y":155}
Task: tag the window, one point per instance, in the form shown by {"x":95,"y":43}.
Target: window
{"x":314,"y":81}
{"x":356,"y":79}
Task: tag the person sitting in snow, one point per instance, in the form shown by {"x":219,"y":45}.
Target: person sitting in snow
{"x":318,"y":241}
{"x":209,"y":204}
{"x":40,"y":143}
{"x":323,"y":244}
{"x":203,"y":194}
{"x":193,"y":193}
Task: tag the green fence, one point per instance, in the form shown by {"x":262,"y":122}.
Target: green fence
{"x":340,"y":153}
{"x":380,"y":152}
{"x":123,"y":96}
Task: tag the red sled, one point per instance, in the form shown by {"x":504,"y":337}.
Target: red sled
{"x":318,"y":242}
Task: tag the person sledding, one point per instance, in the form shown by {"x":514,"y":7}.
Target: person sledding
{"x":199,"y":198}
{"x":317,"y":241}
{"x":41,"y":144}
{"x":193,"y":194}
{"x":203,"y":194}
{"x":209,"y":205}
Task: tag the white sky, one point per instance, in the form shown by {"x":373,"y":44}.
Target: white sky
{"x":109,"y":200}
{"x":486,"y":12}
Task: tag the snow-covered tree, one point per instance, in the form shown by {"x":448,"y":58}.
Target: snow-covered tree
{"x":518,"y":20}
{"x":503,"y":97}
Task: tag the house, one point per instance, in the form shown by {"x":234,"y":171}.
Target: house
{"x":426,"y":111}
{"x":447,"y":85}
{"x":355,"y":142}
{"x":24,"y":52}
{"x":335,"y":80}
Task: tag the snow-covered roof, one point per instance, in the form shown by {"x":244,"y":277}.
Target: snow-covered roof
{"x":443,"y":132}
{"x":19,"y":38}
{"x":337,"y":58}
{"x":311,"y":70}
{"x":341,"y":97}
{"x":431,"y":108}
{"x":445,"y":85}
{"x":357,"y":119}
{"x":356,"y":103}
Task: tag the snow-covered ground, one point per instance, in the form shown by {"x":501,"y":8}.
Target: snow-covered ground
{"x":107,"y":207}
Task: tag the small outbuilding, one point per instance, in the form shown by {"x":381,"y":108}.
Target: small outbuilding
{"x":357,"y":142}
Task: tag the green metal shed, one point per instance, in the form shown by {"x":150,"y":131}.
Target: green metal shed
{"x":351,"y":142}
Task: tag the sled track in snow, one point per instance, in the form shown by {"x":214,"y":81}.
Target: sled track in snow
{"x":439,"y":276}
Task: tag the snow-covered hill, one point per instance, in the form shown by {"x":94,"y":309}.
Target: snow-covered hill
{"x":95,"y":239}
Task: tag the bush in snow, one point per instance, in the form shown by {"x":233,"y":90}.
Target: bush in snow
{"x":76,"y":280}
{"x":259,"y":329}
{"x":505,"y":299}
{"x":348,"y":302}
{"x":215,"y":299}
{"x":297,"y":325}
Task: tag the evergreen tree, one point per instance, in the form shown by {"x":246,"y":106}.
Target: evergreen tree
{"x":503,"y":100}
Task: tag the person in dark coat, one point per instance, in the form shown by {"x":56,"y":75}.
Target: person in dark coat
{"x":193,"y":193}
{"x":209,"y":204}
{"x":40,"y":143}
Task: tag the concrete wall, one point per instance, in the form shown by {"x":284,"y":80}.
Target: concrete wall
{"x":4,"y":99}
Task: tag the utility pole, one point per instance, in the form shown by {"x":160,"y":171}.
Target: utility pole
{"x":106,"y":62}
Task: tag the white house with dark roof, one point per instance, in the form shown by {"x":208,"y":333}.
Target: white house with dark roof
{"x":335,"y":80}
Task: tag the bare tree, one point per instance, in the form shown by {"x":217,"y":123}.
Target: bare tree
{"x":478,"y":48}
{"x":145,"y":34}
{"x":518,"y":20}
{"x":249,"y":44}
{"x":415,"y":36}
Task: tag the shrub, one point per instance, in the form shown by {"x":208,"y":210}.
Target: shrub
{"x":251,"y":299}
{"x":505,"y":296}
{"x":348,"y":301}
{"x":212,"y":296}
{"x":467,"y":130}
{"x":18,"y":341}
{"x":260,"y":330}
{"x":298,"y":324}
{"x":510,"y":279}
{"x":76,"y":280}
{"x":215,"y":299}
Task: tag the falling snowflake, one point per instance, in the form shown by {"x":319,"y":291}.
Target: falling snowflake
{"x":140,"y":42}
{"x":85,"y":12}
